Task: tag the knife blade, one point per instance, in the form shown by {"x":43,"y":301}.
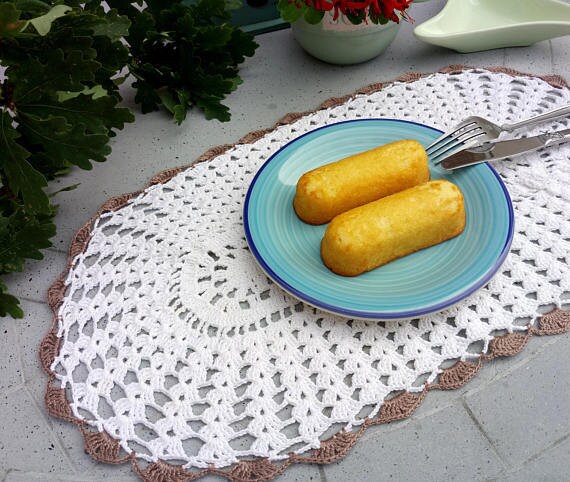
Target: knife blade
{"x":494,"y":151}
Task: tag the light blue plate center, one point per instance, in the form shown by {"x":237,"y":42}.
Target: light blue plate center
{"x":288,"y":250}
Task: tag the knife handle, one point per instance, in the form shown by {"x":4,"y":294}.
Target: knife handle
{"x":553,"y":114}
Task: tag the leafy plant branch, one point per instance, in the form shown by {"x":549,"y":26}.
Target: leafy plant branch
{"x":185,"y":54}
{"x":59,"y":94}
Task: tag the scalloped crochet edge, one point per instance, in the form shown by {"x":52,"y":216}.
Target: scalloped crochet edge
{"x":104,"y":448}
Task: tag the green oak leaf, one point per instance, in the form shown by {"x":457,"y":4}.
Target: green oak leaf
{"x":49,"y":166}
{"x":60,"y":71}
{"x":113,"y":56}
{"x":12,"y":25}
{"x":98,"y":114}
{"x":203,"y":10}
{"x":213,"y":37}
{"x":179,"y":113}
{"x":33,"y":7}
{"x":112,"y":25}
{"x":217,"y":84}
{"x":167,"y":100}
{"x":242,"y":45}
{"x":72,"y":143}
{"x":177,"y":107}
{"x":180,"y":110}
{"x":9,"y":305}
{"x":143,"y":26}
{"x":95,"y":92}
{"x":42,"y":24}
{"x":22,"y":236}
{"x":146,"y":96}
{"x":213,"y":108}
{"x":22,"y":178}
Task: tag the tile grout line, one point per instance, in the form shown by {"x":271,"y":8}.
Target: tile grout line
{"x":20,"y":357}
{"x":322,"y":473}
{"x":484,"y":433}
{"x":57,"y":250}
{"x":538,"y":454}
{"x":50,"y":429}
{"x":32,"y":300}
{"x":517,"y":364}
{"x":16,"y":337}
{"x":14,"y":389}
{"x":532,"y":458}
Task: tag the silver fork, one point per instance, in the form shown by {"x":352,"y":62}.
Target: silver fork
{"x":474,"y":130}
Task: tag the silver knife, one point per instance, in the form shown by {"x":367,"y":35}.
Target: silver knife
{"x":494,"y":151}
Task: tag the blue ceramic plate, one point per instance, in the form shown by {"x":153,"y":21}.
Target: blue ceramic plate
{"x":429,"y":280}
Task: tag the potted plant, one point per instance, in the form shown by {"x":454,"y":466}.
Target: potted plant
{"x":344,"y":31}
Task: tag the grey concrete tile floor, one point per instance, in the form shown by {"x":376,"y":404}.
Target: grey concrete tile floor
{"x":544,"y":412}
{"x":511,"y":423}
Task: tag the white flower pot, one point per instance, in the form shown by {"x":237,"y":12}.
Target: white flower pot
{"x":341,"y":42}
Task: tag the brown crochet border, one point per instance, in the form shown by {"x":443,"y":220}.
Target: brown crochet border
{"x":103,"y":448}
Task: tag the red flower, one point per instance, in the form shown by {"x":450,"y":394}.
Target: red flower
{"x":376,"y":8}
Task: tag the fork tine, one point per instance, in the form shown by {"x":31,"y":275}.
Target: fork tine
{"x":450,"y":133}
{"x":458,"y":146}
{"x":459,"y":138}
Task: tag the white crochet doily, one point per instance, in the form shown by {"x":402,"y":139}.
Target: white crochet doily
{"x":176,"y":344}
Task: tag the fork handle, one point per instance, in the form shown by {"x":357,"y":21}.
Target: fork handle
{"x":553,"y":114}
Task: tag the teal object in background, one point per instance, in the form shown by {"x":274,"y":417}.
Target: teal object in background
{"x":255,"y":16}
{"x":258,"y":16}
{"x":429,"y":280}
{"x":475,"y":25}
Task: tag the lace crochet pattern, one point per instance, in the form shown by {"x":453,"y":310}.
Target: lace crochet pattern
{"x":171,"y":349}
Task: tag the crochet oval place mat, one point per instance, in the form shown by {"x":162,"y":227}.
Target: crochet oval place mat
{"x":172,"y":350}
